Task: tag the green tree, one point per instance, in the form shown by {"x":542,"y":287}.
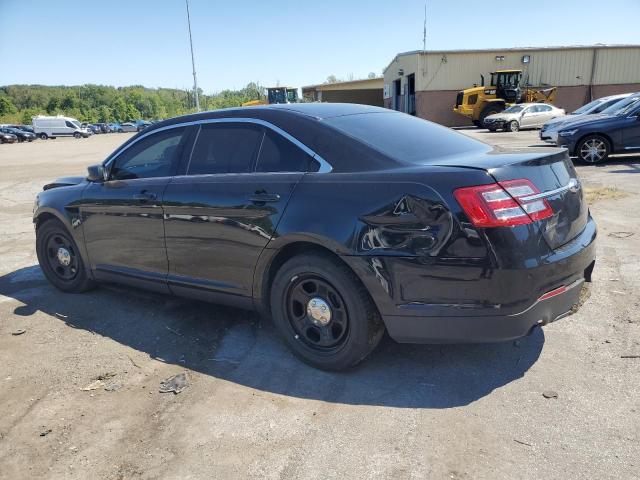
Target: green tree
{"x":6,"y":106}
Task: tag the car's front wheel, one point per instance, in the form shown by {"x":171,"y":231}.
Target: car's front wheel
{"x":60,"y":258}
{"x":324,"y":313}
{"x":513,"y":126}
{"x":77,"y":135}
{"x":593,"y":149}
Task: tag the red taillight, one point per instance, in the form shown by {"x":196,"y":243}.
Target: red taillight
{"x":503,"y":204}
{"x":553,"y":293}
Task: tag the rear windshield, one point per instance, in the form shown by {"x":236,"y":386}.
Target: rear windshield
{"x":404,"y":137}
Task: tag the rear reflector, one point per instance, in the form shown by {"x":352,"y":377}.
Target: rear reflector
{"x":553,"y":293}
{"x":502,"y":204}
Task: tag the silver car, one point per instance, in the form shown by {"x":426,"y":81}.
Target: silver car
{"x":128,"y":127}
{"x":525,"y":115}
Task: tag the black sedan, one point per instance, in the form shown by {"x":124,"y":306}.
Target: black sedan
{"x":7,"y":137}
{"x":21,"y":135}
{"x":338,"y":221}
{"x":593,"y":138}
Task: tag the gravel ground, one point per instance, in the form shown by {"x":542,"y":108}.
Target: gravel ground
{"x":251,"y":410}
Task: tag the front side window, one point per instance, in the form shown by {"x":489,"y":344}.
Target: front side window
{"x":153,"y":156}
{"x":69,"y":124}
{"x":280,"y":155}
{"x":225,"y":148}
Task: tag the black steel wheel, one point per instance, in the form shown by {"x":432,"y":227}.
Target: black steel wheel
{"x":324,"y":313}
{"x":317,"y":312}
{"x":60,"y":259}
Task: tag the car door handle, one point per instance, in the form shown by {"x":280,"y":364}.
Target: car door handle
{"x":145,"y":196}
{"x":264,"y":197}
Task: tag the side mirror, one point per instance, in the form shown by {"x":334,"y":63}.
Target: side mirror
{"x":96,"y":173}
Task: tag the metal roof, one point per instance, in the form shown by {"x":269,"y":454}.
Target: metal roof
{"x":511,"y":49}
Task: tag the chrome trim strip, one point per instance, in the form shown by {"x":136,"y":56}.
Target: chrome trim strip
{"x":573,"y":185}
{"x":325,"y":167}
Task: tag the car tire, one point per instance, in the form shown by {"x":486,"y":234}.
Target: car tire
{"x":513,"y":126}
{"x":309,"y":286}
{"x":43,"y":136}
{"x":593,"y":149}
{"x":488,"y":110}
{"x":77,"y":135}
{"x":63,"y":266}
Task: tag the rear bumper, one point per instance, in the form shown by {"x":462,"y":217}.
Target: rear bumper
{"x":484,"y":329}
{"x":569,"y":266}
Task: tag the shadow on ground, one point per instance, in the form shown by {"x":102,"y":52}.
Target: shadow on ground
{"x":239,"y":347}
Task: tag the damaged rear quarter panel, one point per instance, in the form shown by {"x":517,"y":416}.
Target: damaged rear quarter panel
{"x":374,"y":219}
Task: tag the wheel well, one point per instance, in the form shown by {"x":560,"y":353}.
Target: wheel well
{"x":287,"y":252}
{"x":594,"y":134}
{"x":43,"y":217}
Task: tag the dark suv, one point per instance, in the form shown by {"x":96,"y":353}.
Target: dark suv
{"x":594,"y":138}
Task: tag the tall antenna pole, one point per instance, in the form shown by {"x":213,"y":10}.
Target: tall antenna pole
{"x":193,"y":62}
{"x":424,"y":30}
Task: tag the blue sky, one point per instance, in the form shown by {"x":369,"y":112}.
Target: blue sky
{"x":116,"y":42}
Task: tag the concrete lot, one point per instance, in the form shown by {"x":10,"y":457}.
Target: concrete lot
{"x":253,"y":411}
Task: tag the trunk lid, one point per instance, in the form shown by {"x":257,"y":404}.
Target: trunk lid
{"x":552,"y":172}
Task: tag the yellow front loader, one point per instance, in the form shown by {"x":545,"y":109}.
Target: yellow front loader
{"x":477,"y":103}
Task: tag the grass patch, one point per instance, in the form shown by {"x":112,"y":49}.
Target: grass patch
{"x":603,"y":193}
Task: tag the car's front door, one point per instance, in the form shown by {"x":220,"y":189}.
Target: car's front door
{"x":122,"y":217}
{"x":529,"y":117}
{"x":221,"y":213}
{"x":631,"y":132}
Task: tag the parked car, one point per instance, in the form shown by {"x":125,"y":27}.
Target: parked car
{"x":524,"y":115}
{"x":592,"y":140}
{"x":142,"y":124}
{"x":104,"y":127}
{"x":8,"y":137}
{"x":551,"y":133}
{"x":26,"y":128}
{"x":59,"y":126}
{"x":21,"y":135}
{"x":115,"y":127}
{"x":375,"y":219}
{"x":549,"y":130}
{"x":128,"y":127}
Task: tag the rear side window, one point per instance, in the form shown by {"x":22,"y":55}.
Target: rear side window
{"x":225,"y":148}
{"x":405,"y":137}
{"x":280,"y":155}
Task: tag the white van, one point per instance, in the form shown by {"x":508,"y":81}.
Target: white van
{"x":59,"y":126}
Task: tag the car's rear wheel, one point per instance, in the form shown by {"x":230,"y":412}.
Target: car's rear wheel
{"x":324,"y":313}
{"x":593,"y":149}
{"x":60,"y":258}
{"x":43,"y":136}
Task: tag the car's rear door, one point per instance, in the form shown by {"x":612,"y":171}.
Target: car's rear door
{"x":221,"y":213}
{"x":122,"y":217}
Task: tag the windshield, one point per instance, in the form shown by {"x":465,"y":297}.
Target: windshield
{"x":586,"y":108}
{"x":617,"y":108}
{"x":514,"y":109}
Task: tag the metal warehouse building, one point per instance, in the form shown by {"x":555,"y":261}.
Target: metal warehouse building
{"x":425,"y":83}
{"x":367,"y":92}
